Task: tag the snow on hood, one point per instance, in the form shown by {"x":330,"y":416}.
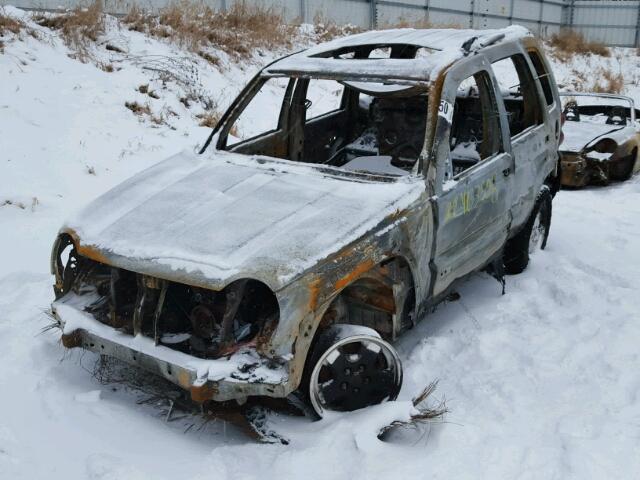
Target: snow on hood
{"x":578,"y":135}
{"x":221,"y":216}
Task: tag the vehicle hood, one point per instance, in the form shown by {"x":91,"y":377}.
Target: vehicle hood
{"x":580,"y":135}
{"x":210,"y":219}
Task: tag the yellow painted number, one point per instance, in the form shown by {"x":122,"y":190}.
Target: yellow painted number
{"x":467,"y":200}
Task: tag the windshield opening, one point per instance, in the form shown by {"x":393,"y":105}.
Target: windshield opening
{"x":363,"y":126}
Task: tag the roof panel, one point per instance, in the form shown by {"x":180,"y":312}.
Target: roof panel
{"x":446,"y":42}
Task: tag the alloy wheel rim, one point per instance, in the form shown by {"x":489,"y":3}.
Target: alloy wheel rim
{"x":354,"y":373}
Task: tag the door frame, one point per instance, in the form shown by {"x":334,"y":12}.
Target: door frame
{"x":441,"y":153}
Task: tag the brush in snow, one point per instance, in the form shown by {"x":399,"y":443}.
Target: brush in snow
{"x":425,"y":413}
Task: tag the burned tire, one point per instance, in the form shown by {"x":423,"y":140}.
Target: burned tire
{"x":624,"y":170}
{"x":554,"y":182}
{"x":351,"y":367}
{"x":532,"y":237}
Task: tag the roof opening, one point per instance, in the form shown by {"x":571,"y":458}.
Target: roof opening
{"x":376,"y":51}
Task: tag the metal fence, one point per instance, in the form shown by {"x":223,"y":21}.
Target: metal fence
{"x":608,"y":21}
{"x":613,"y":22}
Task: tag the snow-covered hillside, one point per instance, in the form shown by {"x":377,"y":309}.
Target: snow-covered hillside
{"x":541,"y":383}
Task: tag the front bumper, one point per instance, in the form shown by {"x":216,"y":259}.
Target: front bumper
{"x":579,"y":171}
{"x":243,"y":374}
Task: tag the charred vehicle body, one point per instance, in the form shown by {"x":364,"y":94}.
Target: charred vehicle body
{"x":295,"y":247}
{"x":601,"y":139}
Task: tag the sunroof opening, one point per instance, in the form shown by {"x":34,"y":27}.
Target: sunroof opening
{"x":377,"y":51}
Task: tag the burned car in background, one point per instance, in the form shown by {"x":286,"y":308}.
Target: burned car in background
{"x":370,"y":175}
{"x":601,"y":139}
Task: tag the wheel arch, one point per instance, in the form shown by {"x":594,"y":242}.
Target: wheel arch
{"x":635,"y":161}
{"x":381,"y":298}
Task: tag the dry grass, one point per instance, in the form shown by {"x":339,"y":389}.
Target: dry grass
{"x":608,"y":82}
{"x":106,"y":67}
{"x":12,"y":26}
{"x":600,"y":81}
{"x":578,"y":80}
{"x":144,"y":89}
{"x":211,"y":118}
{"x":212,"y":59}
{"x":138,"y":108}
{"x":78,"y":27}
{"x":425,"y":413}
{"x":325,"y":32}
{"x":325,"y":29}
{"x":9,"y":24}
{"x":208,"y":119}
{"x":568,"y":43}
{"x":239,"y":31}
{"x":144,"y":112}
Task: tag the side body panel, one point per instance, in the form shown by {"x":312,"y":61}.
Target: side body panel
{"x":473,"y":213}
{"x":472,"y":227}
{"x":531,"y":157}
{"x":473,"y":220}
{"x":535,"y":150}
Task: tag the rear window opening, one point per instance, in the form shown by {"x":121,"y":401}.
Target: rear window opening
{"x":519,"y":91}
{"x":543,"y":76}
{"x":372,"y":127}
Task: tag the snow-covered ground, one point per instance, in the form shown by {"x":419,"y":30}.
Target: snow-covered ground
{"x":542,"y":382}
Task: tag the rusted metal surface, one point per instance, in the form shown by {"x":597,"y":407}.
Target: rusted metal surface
{"x":246,"y":330}
{"x":574,"y":171}
{"x":72,"y":340}
{"x":353,"y":274}
{"x":202,"y":393}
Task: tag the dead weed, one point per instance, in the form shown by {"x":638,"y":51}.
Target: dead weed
{"x":325,"y":29}
{"x":78,"y":27}
{"x":208,"y":119}
{"x":608,"y":82}
{"x":12,"y":26}
{"x":138,"y":108}
{"x":239,"y":31}
{"x":600,"y":81}
{"x":568,"y":43}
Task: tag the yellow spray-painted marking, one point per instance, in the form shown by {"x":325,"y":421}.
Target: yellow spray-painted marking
{"x":469,"y":199}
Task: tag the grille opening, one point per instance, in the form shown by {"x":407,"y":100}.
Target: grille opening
{"x":197,"y":321}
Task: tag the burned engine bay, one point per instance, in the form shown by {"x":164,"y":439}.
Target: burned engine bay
{"x":197,"y":321}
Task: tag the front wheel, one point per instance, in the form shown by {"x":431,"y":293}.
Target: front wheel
{"x":532,"y":237}
{"x":352,"y":368}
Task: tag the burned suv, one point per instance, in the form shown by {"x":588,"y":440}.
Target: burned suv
{"x":342,"y":195}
